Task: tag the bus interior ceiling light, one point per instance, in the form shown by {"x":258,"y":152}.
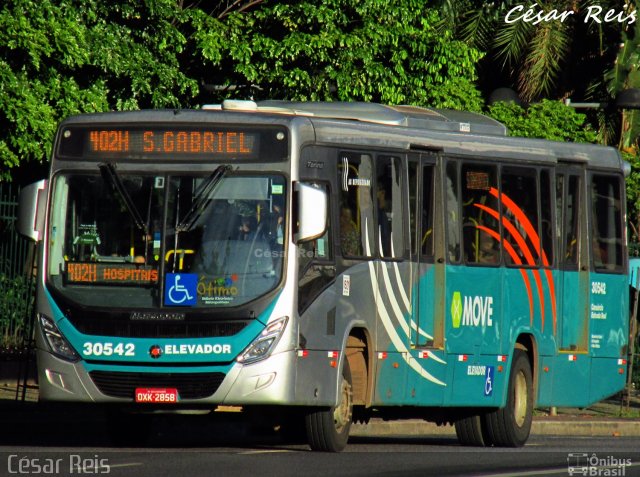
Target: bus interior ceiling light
{"x":264,"y":344}
{"x":56,"y":341}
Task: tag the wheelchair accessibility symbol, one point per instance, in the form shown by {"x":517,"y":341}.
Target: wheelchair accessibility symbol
{"x":488,"y":381}
{"x":180,"y":289}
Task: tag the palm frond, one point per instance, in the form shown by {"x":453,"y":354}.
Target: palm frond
{"x":477,"y":28}
{"x":512,"y":41}
{"x":549,"y":47}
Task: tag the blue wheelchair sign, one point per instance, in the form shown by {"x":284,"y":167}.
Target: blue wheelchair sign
{"x":488,"y":381}
{"x":180,"y":289}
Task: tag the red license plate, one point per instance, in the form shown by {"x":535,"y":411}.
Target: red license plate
{"x":157,"y":395}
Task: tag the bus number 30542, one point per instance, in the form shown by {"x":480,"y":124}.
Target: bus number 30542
{"x":108,"y":349}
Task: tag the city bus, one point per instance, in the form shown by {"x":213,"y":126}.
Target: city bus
{"x":321,"y":263}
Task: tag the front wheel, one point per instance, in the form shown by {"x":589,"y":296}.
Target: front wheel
{"x":328,"y":429}
{"x":510,"y":426}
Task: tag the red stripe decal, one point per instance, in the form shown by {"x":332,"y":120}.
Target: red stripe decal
{"x":525,"y":251}
{"x":516,"y":259}
{"x":531,"y":231}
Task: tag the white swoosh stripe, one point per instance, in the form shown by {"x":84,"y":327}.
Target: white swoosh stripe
{"x":405,"y":299}
{"x":398,"y":313}
{"x":386,"y":321}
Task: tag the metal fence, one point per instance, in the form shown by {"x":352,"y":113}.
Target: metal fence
{"x":16,"y":275}
{"x":14,"y":249}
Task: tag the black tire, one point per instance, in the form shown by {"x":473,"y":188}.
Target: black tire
{"x":471,"y":431}
{"x":328,"y":429}
{"x":510,"y":426}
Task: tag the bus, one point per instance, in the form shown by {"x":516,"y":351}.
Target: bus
{"x":321,"y":263}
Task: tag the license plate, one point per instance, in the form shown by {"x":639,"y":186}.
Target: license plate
{"x":157,"y":395}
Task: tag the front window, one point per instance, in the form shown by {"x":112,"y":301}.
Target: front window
{"x":136,"y":240}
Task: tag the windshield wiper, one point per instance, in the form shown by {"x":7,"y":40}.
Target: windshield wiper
{"x":199,"y":203}
{"x":111,"y":177}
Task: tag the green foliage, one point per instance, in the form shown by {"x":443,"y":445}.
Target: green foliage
{"x":632,"y":183}
{"x":553,"y":58}
{"x":16,"y":301}
{"x":388,"y":52}
{"x":546,"y":120}
{"x":64,"y":58}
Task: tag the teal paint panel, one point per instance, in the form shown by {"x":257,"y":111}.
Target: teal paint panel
{"x":571,"y":319}
{"x":608,"y":376}
{"x":172,"y":350}
{"x":545,"y":381}
{"x":391,"y":379}
{"x":474,"y":306}
{"x":427,"y":378}
{"x":608,"y":315}
{"x":424,"y":297}
{"x":571,"y":380}
{"x":477,"y":383}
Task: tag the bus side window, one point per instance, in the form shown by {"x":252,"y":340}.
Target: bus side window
{"x":356,"y":202}
{"x":453,"y":213}
{"x":546,"y":225}
{"x":520,"y":212}
{"x":481,"y":230}
{"x":389,"y":206}
{"x":426,"y":237}
{"x":606,"y":219}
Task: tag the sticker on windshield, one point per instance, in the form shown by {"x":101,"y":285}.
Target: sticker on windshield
{"x":180,"y":289}
{"x":218,"y":290}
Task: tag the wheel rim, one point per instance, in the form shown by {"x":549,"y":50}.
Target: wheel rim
{"x":342,"y":413}
{"x":520,"y":399}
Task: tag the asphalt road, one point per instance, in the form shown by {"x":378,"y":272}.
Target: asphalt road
{"x":60,"y":443}
{"x":425,"y":456}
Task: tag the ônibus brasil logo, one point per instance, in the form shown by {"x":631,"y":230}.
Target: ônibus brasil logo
{"x":476,"y":310}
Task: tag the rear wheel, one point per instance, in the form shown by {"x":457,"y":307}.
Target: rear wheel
{"x":470,"y":431}
{"x":328,"y":429}
{"x":510,"y":426}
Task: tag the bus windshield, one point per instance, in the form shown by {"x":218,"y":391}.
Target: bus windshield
{"x":136,"y":240}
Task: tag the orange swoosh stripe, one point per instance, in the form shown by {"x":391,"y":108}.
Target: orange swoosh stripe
{"x":516,"y":259}
{"x":525,"y":251}
{"x":531,"y":231}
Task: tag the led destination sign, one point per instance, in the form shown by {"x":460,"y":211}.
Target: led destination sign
{"x":175,"y":143}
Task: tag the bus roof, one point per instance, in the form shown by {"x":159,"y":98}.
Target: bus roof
{"x":376,"y":125}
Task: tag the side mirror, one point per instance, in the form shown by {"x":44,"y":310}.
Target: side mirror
{"x":31,"y":210}
{"x":311,"y":212}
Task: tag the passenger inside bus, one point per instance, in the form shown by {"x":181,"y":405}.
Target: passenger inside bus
{"x":349,"y":236}
{"x":488,"y":252}
{"x":384,"y":222}
{"x":248,"y":229}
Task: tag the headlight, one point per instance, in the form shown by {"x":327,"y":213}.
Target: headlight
{"x":263,"y":345}
{"x":58,"y":343}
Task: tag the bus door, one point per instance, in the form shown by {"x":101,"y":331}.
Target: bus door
{"x":428,"y":274}
{"x":573,"y":284}
{"x":427,"y":373}
{"x":393,"y":277}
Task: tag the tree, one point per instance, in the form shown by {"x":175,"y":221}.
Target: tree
{"x":389,"y":52}
{"x":63,"y":58}
{"x":552,"y":48}
{"x":547,"y":119}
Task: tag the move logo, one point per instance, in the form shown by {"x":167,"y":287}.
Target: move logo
{"x":476,"y":311}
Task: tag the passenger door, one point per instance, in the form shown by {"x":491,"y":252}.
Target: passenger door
{"x":573,"y":293}
{"x":428,"y":274}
